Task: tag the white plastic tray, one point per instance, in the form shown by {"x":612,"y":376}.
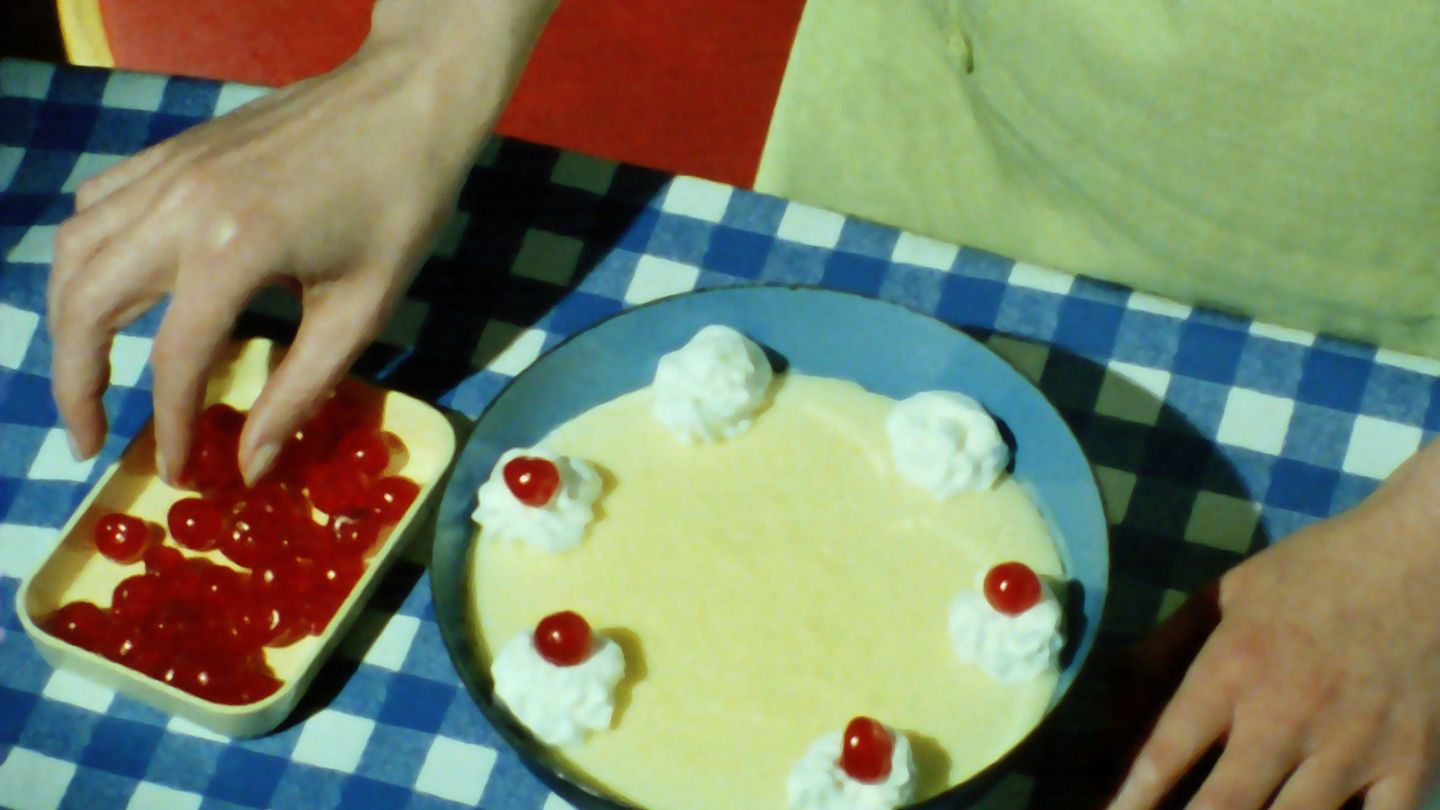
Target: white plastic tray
{"x":76,"y":571}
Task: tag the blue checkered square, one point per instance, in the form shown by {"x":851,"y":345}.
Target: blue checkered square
{"x":121,"y":746}
{"x":737,"y":252}
{"x":1271,"y":366}
{"x":1301,"y":487}
{"x":853,"y":273}
{"x":1087,"y":327}
{"x":1029,"y":313}
{"x":368,"y":794}
{"x":94,"y":788}
{"x":245,"y":777}
{"x":1334,"y":380}
{"x":417,"y":703}
{"x":1318,"y":436}
{"x":1209,"y":352}
{"x":1398,"y":394}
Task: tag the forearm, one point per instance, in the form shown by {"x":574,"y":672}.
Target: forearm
{"x":459,"y":60}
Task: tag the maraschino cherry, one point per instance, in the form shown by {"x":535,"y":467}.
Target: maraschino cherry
{"x":866,"y":750}
{"x":121,"y":537}
{"x":533,"y":481}
{"x":1012,"y":588}
{"x":563,"y":638}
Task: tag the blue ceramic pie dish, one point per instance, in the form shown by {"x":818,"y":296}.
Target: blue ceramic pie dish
{"x":884,"y":347}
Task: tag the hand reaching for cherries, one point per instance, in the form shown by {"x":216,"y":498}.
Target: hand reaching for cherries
{"x":1322,"y":679}
{"x":337,"y":183}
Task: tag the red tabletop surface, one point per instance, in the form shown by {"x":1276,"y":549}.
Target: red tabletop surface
{"x":687,"y":86}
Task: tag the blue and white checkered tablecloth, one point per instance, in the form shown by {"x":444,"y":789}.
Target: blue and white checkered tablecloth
{"x":1211,"y":435}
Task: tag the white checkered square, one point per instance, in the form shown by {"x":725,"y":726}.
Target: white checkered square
{"x":23,"y":548}
{"x":447,"y":241}
{"x":403,"y":327}
{"x":1155,"y":305}
{"x":17,"y":329}
{"x":583,"y":172}
{"x":1040,"y":278}
{"x":1133,"y":393}
{"x":1222,"y":522}
{"x":128,"y":355}
{"x":657,"y":278}
{"x":390,"y":638}
{"x":233,"y":96}
{"x":31,"y":781}
{"x":179,"y":725}
{"x":1116,"y":487}
{"x":557,"y":803}
{"x":546,"y":256}
{"x":9,"y":165}
{"x":507,"y":349}
{"x":134,"y":91}
{"x":1410,"y":362}
{"x":334,"y":740}
{"x":456,"y":770}
{"x":923,"y":251}
{"x":69,"y":688}
{"x":1378,"y":446}
{"x":1255,"y":421}
{"x":489,"y":151}
{"x":1027,"y":357}
{"x":37,"y":246}
{"x":701,"y":199}
{"x":150,"y":796}
{"x":810,"y":226}
{"x":1282,"y":333}
{"x":87,"y":166}
{"x":1170,"y":601}
{"x":54,"y":461}
{"x":27,"y":79}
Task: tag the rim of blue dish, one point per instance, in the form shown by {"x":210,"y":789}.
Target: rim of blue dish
{"x":454,"y":535}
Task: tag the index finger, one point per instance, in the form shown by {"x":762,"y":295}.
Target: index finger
{"x":1194,"y":720}
{"x":195,"y":327}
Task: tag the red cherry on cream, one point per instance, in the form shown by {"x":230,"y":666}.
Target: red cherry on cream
{"x":533,"y":481}
{"x":866,"y":750}
{"x":1012,"y":588}
{"x":563,"y":638}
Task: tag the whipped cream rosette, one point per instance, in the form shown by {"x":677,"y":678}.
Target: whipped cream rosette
{"x":538,"y":497}
{"x":1011,"y":625}
{"x":709,"y":389}
{"x":946,"y":443}
{"x":868,"y":766}
{"x":559,"y":681}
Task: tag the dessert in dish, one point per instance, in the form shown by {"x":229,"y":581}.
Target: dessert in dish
{"x":243,"y":570}
{"x":774,"y":568}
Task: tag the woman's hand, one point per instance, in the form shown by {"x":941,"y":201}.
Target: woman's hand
{"x":1322,"y":680}
{"x":338,"y":182}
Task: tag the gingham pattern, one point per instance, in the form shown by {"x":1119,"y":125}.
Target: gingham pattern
{"x":1210,"y":434}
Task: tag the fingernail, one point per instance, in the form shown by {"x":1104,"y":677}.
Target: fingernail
{"x":259,"y":462}
{"x":163,"y":467}
{"x":74,"y":446}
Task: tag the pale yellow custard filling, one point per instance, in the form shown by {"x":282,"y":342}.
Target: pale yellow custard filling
{"x":766,"y":590}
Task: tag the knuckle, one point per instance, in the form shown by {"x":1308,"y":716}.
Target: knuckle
{"x":198,"y":185}
{"x":90,"y":190}
{"x":72,"y":242}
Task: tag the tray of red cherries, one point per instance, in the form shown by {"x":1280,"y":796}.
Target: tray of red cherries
{"x":217,"y":601}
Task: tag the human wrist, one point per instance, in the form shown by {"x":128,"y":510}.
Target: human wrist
{"x":459,"y":60}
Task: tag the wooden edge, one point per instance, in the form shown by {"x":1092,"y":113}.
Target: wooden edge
{"x":84,"y":33}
